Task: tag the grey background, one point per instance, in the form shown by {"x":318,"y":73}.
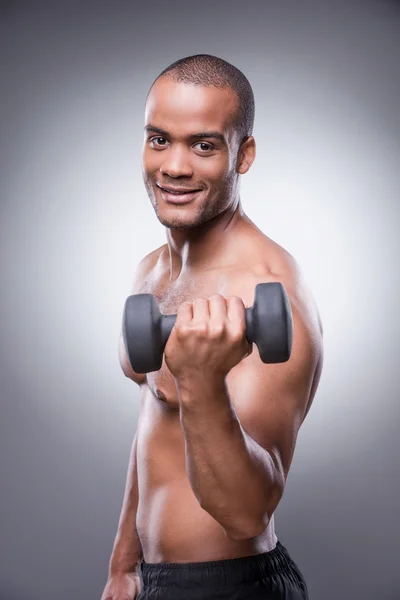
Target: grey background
{"x":75,"y":220}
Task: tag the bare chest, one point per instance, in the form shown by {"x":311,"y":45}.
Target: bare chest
{"x":169,"y":297}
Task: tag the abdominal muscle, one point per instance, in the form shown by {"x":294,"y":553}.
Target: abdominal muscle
{"x":171,"y":525}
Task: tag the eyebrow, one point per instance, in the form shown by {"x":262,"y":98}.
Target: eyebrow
{"x":202,"y":134}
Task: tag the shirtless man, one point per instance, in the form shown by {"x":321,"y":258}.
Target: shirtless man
{"x":217,"y":427}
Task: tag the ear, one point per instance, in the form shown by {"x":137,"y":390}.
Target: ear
{"x":246,"y":155}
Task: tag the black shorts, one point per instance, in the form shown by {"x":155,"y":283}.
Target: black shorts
{"x":269,"y":576}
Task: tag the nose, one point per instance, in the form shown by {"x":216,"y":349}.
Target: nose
{"x":176,"y":162}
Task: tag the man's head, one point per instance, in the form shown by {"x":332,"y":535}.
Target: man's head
{"x":194,"y":96}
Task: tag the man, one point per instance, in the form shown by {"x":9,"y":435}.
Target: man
{"x":217,"y":427}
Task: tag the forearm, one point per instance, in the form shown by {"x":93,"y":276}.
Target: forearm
{"x":233,"y":477}
{"x":127,"y":550}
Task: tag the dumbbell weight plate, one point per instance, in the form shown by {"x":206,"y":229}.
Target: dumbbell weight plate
{"x":271,"y":322}
{"x":142,"y":333}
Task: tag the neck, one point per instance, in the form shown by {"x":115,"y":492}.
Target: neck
{"x":203,"y":247}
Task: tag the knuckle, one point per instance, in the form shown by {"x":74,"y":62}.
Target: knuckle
{"x":217,"y":330}
{"x":237,"y":335}
{"x":182,"y":331}
{"x":216,"y":297}
{"x":185,"y":304}
{"x":183,"y":309}
{"x":200,"y":329}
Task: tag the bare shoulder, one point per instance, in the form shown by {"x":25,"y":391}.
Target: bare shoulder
{"x":284,"y":267}
{"x":271,"y":262}
{"x":146,"y":267}
{"x":287,"y":270}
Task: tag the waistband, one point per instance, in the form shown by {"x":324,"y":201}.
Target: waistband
{"x":218,"y":572}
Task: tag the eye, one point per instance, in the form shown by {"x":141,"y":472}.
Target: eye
{"x":161,"y":141}
{"x":204,"y":146}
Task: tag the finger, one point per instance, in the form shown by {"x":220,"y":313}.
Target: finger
{"x":218,"y":309}
{"x":236,"y":312}
{"x":201,"y":311}
{"x":184,"y":314}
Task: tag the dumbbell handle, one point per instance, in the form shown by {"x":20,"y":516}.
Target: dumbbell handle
{"x":168,"y":321}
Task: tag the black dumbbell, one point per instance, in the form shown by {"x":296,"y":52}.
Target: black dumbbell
{"x":268,"y":325}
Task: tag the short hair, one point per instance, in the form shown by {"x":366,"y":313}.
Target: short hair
{"x":208,"y":70}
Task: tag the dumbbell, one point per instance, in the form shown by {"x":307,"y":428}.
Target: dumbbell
{"x":268,"y":325}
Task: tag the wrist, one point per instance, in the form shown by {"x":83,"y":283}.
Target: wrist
{"x":194,"y":379}
{"x":204,"y":395}
{"x":118,"y":569}
{"x":123,"y":564}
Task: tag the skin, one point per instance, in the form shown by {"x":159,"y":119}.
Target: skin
{"x":217,"y":427}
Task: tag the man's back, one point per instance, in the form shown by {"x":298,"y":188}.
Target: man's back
{"x":171,"y":524}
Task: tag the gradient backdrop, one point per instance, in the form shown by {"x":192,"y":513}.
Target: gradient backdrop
{"x":75,"y":220}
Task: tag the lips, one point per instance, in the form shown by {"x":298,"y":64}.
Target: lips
{"x":177,"y":195}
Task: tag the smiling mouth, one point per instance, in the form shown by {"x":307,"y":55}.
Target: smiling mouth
{"x":177,"y":192}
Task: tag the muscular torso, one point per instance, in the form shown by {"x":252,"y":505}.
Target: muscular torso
{"x":171,"y":525}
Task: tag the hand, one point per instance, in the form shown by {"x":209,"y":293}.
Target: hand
{"x":209,"y":336}
{"x":122,"y":586}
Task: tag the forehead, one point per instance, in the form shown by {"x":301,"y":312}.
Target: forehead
{"x":181,"y":107}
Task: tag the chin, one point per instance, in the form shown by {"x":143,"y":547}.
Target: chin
{"x":179,"y":225}
{"x":198,"y":218}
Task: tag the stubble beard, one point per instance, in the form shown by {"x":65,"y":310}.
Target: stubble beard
{"x":205,"y":212}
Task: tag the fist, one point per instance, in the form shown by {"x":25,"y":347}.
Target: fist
{"x":209,"y":336}
{"x":124,"y":586}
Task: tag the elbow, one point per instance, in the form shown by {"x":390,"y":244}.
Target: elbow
{"x":251,"y":526}
{"x":247,"y":533}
